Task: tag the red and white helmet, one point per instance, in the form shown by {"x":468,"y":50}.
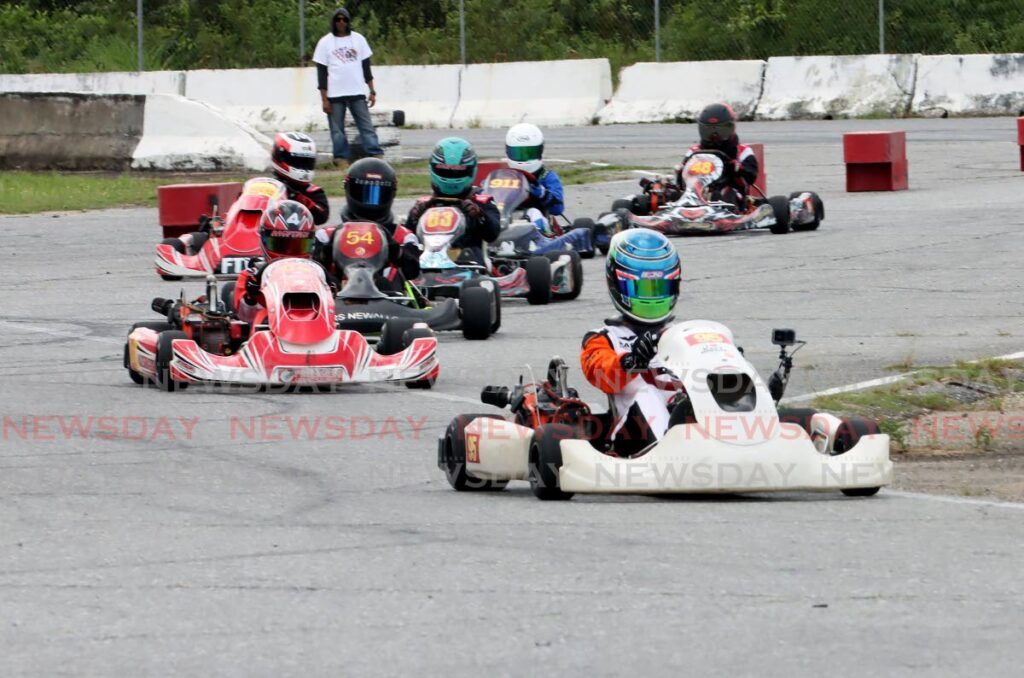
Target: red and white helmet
{"x":294,"y":156}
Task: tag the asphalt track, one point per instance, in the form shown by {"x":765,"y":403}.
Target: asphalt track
{"x":218,"y":532}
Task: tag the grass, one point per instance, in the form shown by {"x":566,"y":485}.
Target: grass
{"x":30,"y":192}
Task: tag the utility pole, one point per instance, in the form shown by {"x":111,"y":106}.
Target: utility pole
{"x":657,"y":30}
{"x":138,"y":37}
{"x":302,"y":30}
{"x":881,"y":26}
{"x":462,"y":30}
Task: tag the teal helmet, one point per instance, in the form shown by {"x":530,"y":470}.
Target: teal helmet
{"x":453,"y":166}
{"x":643,"y":275}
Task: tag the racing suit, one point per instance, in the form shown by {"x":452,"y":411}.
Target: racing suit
{"x":403,"y":252}
{"x":740,"y":173}
{"x":547,"y":199}
{"x":483,"y":221}
{"x":640,"y":406}
{"x":310,"y":195}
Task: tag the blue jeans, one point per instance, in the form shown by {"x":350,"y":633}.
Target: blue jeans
{"x":579,"y":238}
{"x":361,"y":115}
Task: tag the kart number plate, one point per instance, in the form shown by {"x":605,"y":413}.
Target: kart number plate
{"x":313,"y":375}
{"x":232,"y":265}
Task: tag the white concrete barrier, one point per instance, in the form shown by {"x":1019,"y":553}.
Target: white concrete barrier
{"x":264,"y":98}
{"x":427,"y":94}
{"x":970,"y":84}
{"x":148,"y":82}
{"x":839,"y":86}
{"x":541,"y":92}
{"x":664,"y":92}
{"x":182,"y":134}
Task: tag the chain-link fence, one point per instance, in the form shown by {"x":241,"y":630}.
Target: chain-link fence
{"x":186,"y":34}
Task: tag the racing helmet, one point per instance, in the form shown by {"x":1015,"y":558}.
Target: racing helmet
{"x":643,"y":275}
{"x":370,"y":188}
{"x":524,"y":148}
{"x":453,"y":166}
{"x":716,"y":125}
{"x":287,"y":230}
{"x":294,"y":156}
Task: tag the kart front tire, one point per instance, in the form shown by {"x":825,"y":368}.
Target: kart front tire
{"x":545,"y":460}
{"x":801,"y":416}
{"x":453,"y":457}
{"x":819,"y":212}
{"x":622,"y":204}
{"x":227,"y":295}
{"x":408,"y":337}
{"x":780,"y":206}
{"x":538,"y":280}
{"x":849,"y":434}
{"x":199,"y":239}
{"x":156,"y":326}
{"x":495,"y":295}
{"x":475,"y":307}
{"x":392,"y":333}
{"x":586,"y":223}
{"x":575,"y":270}
{"x":164,"y":353}
{"x":179,"y":247}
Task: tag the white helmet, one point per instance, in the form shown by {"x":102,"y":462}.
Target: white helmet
{"x":524,"y":148}
{"x":294,"y":156}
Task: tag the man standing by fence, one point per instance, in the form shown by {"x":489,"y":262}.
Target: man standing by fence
{"x":342,"y":60}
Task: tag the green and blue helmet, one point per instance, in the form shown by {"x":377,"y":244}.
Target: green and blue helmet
{"x":643,"y":275}
{"x":453,"y":166}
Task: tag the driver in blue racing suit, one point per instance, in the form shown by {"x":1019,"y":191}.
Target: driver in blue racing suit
{"x":524,"y":151}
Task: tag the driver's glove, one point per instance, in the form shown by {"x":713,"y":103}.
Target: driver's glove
{"x":538,"y":191}
{"x":252,"y":290}
{"x":472,"y":209}
{"x":639,"y":357}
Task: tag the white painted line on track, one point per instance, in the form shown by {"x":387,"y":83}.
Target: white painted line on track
{"x":882,"y":381}
{"x":1014,"y":506}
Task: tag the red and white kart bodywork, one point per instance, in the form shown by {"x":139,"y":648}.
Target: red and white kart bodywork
{"x":298,"y":345}
{"x":224,"y":252}
{"x":734,"y":441}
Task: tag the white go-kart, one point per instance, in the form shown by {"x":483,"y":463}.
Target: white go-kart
{"x":726,"y":433}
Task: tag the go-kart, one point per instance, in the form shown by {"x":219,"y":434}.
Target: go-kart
{"x":516,"y":244}
{"x":361,"y":253}
{"x":694,"y":209}
{"x":293,"y":342}
{"x":726,"y":433}
{"x":222,"y":247}
{"x":446,"y":269}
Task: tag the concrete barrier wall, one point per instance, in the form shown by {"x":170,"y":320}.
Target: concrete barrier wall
{"x":544,"y":93}
{"x":663,"y":92}
{"x":427,"y":94}
{"x":148,"y":82}
{"x":183,"y":134}
{"x":970,"y":84}
{"x":798,"y":88}
{"x":70,"y":131}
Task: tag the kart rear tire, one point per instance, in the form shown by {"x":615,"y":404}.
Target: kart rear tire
{"x":392,"y":334}
{"x":475,"y":305}
{"x":453,"y":453}
{"x":586,"y":223}
{"x":156,"y":326}
{"x":538,"y":279}
{"x":819,"y":212}
{"x":545,"y":460}
{"x":576,"y":269}
{"x":164,"y":353}
{"x":780,"y":206}
{"x":408,"y":337}
{"x":495,"y":295}
{"x":801,"y":416}
{"x":199,"y":239}
{"x":179,"y":247}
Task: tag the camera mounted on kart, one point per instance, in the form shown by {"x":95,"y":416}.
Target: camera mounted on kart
{"x":780,"y":377}
{"x":783,"y":337}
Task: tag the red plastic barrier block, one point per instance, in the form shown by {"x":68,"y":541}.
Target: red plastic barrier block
{"x":1020,"y":141}
{"x":762,"y":175}
{"x":181,"y":205}
{"x":875,"y":161}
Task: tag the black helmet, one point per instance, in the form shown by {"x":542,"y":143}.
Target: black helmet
{"x":340,"y":12}
{"x":717,"y":125}
{"x":370,"y":188}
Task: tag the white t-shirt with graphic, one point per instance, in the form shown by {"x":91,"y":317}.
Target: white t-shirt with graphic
{"x":343,"y":57}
